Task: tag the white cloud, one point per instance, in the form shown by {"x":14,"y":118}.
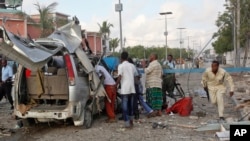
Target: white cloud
{"x":147,"y":28}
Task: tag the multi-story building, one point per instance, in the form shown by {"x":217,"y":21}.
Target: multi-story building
{"x":25,"y":25}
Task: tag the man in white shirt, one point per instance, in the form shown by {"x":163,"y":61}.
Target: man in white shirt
{"x":126,"y":74}
{"x":110,"y":87}
{"x":6,"y":82}
{"x":169,"y":62}
{"x":168,"y":83}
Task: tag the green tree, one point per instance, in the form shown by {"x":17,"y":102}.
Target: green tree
{"x":46,"y":21}
{"x":224,"y":36}
{"x":114,"y":43}
{"x":225,"y":22}
{"x":139,"y":51}
{"x":105,"y":29}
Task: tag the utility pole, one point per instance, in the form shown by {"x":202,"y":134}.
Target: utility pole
{"x":166,"y":30}
{"x":238,"y":35}
{"x":193,"y":52}
{"x":119,"y":8}
{"x":188,"y":48}
{"x":181,"y":41}
{"x":234,"y":37}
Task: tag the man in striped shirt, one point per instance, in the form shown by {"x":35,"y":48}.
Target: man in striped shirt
{"x":154,"y":84}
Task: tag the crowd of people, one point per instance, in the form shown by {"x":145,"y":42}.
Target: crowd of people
{"x":158,"y":85}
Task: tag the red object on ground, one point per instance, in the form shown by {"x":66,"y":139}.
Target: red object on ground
{"x":183,"y":107}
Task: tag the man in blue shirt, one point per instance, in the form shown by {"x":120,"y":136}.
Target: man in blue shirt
{"x":6,"y":82}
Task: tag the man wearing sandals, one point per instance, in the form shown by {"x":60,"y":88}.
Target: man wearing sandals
{"x":154,"y":84}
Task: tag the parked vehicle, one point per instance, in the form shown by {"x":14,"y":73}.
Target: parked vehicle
{"x":55,"y":79}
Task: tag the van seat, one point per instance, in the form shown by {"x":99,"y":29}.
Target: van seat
{"x":55,"y":86}
{"x":52,"y":70}
{"x":61,"y":72}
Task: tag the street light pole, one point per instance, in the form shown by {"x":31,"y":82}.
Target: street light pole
{"x":119,"y":8}
{"x":166,"y":31}
{"x":181,"y":41}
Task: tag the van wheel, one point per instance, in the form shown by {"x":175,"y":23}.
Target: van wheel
{"x":28,"y":122}
{"x":88,"y":119}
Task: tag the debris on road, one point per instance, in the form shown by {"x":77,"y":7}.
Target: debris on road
{"x":5,"y":132}
{"x":217,"y":126}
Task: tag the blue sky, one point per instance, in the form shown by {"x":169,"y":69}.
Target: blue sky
{"x":142,"y":23}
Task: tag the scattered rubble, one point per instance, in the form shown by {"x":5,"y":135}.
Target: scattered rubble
{"x":5,"y":132}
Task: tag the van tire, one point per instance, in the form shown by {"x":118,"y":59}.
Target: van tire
{"x":88,"y":119}
{"x":28,"y":122}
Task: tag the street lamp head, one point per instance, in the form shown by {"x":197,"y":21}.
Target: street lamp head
{"x":181,"y":28}
{"x":165,"y":13}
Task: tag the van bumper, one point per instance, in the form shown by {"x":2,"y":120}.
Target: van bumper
{"x":73,"y":110}
{"x":45,"y":114}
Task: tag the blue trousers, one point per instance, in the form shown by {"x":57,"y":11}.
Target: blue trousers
{"x":127,"y":107}
{"x":145,"y":105}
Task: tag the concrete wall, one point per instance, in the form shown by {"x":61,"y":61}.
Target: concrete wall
{"x":95,"y":43}
{"x":33,"y":31}
{"x":230,"y":57}
{"x":17,"y":26}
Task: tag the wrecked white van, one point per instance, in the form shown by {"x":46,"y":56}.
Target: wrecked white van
{"x":55,"y":79}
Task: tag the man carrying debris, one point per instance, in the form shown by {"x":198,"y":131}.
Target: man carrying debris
{"x":213,"y":82}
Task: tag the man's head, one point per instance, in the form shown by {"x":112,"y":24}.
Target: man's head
{"x":153,"y":57}
{"x":94,"y":61}
{"x":170,"y":57}
{"x":215,"y":66}
{"x":130,"y":60}
{"x":124,"y":56}
{"x":4,"y":63}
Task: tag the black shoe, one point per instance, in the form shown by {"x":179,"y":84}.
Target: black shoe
{"x":137,"y":115}
{"x":164,"y":106}
{"x":12,"y":107}
{"x":222,"y":118}
{"x":120,"y":118}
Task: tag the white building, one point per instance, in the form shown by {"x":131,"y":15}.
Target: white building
{"x":230,"y":57}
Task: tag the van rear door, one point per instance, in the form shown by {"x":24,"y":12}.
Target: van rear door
{"x":24,"y":51}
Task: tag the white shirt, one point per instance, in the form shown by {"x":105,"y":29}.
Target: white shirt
{"x":6,"y":72}
{"x":171,"y":64}
{"x":127,"y":71}
{"x":108,"y":78}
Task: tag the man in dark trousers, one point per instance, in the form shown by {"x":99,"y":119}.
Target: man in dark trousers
{"x":168,"y":84}
{"x":126,"y":77}
{"x":6,"y":82}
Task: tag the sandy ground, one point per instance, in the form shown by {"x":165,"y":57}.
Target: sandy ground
{"x":178,"y":128}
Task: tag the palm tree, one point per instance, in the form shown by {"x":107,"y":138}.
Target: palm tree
{"x":46,"y":21}
{"x":113,"y":43}
{"x":105,"y":29}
